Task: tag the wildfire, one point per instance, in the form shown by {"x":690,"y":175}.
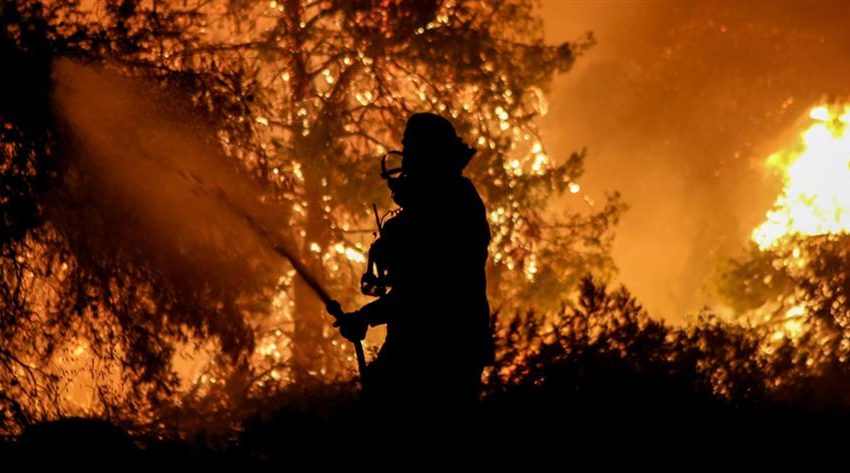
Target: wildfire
{"x":816,"y":174}
{"x":815,"y":200}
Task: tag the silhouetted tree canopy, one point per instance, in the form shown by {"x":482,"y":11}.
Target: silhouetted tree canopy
{"x":303,"y":96}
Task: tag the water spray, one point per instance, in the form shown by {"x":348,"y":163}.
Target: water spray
{"x":332,"y":306}
{"x":116,"y":128}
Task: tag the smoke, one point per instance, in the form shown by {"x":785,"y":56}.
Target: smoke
{"x":147,"y":188}
{"x":678,"y":105}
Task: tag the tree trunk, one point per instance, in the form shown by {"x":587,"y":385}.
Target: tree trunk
{"x":310,"y":320}
{"x":310,"y":355}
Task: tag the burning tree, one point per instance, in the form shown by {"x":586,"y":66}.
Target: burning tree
{"x":303,"y":96}
{"x":333,"y":83}
{"x":794,"y":279}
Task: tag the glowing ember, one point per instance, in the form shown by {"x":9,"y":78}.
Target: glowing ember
{"x":816,"y":195}
{"x":793,"y":323}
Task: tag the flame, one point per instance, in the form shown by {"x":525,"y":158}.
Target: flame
{"x":815,"y":199}
{"x":793,"y":323}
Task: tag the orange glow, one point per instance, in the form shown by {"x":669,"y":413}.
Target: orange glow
{"x":815,"y":199}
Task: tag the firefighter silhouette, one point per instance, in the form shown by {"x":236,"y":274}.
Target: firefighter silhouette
{"x":430,"y":257}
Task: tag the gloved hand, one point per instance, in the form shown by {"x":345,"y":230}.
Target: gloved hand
{"x":335,"y":309}
{"x":352,"y":326}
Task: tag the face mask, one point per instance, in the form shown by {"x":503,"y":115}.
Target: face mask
{"x":397,"y":180}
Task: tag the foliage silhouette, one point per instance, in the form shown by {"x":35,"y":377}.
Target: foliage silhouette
{"x":276,"y":91}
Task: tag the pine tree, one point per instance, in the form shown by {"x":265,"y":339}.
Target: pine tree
{"x":306,"y":96}
{"x":340,"y":78}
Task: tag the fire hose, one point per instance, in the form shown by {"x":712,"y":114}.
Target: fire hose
{"x":331,"y":305}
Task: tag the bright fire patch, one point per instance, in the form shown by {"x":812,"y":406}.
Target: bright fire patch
{"x":815,"y":199}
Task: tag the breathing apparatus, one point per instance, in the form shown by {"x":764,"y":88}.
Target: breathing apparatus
{"x":395,"y":176}
{"x":375,"y":280}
